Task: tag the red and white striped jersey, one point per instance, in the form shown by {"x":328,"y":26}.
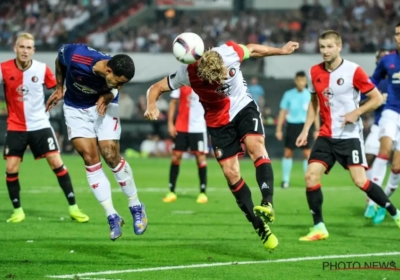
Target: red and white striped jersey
{"x":338,"y":93}
{"x":190,"y":112}
{"x":221,"y":102}
{"x":24,"y":95}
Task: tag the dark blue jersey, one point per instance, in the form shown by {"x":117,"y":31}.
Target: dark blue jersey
{"x":83,"y":86}
{"x":382,"y":87}
{"x":389,"y":66}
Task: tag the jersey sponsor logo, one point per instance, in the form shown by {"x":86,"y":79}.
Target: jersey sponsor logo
{"x":328,"y":94}
{"x":35,"y":79}
{"x":22,"y":91}
{"x":85,"y":89}
{"x":340,"y":81}
{"x":396,"y":78}
{"x":223,"y":90}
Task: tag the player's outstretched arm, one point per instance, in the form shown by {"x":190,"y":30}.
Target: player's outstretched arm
{"x":257,"y":50}
{"x":153,"y":93}
{"x":58,"y":94}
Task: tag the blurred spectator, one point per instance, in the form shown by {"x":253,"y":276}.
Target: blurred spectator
{"x":126,"y":106}
{"x":268,"y":118}
{"x":256,"y":91}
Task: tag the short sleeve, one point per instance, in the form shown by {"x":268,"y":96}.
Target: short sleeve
{"x":284,"y":105}
{"x":65,"y":53}
{"x":175,"y":93}
{"x":238,"y":49}
{"x":362,"y":82}
{"x":49,"y":79}
{"x":179,"y":78}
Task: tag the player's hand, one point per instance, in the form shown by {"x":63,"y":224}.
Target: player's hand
{"x":102,"y":103}
{"x":350,"y":118}
{"x":57,"y":95}
{"x":279,"y":135}
{"x":152,"y":113}
{"x":290,"y":47}
{"x":172,"y":130}
{"x":302,"y":139}
{"x":385,"y":96}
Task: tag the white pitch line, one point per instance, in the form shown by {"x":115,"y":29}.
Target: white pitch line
{"x":56,"y":189}
{"x":162,"y":268}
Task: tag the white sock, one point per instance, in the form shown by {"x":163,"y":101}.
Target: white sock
{"x":392,"y":184}
{"x":369,"y":173}
{"x":124,"y":176}
{"x":101,"y":187}
{"x":379,"y":170}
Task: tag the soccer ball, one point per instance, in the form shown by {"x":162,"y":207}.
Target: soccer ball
{"x":188,"y":47}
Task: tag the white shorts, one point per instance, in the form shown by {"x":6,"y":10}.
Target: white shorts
{"x":372,"y":143}
{"x":389,"y":124}
{"x":86,"y":123}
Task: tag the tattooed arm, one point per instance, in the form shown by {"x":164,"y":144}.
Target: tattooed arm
{"x":60,"y":74}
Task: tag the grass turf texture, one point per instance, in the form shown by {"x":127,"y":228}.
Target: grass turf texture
{"x":186,"y":233}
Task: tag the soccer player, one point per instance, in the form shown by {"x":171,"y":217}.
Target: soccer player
{"x":92,"y":80}
{"x":293,"y":107}
{"x":189,"y":132}
{"x":232,"y":118}
{"x":372,"y":142}
{"x":336,"y":85}
{"x":28,"y":124}
{"x":389,"y":130}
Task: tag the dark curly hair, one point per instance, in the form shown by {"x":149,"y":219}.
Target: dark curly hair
{"x":122,"y":65}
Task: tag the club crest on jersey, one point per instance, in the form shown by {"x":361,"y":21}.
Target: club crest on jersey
{"x":328,"y":93}
{"x":218,"y":153}
{"x":35,"y":79}
{"x":232,"y":72}
{"x":340,"y":81}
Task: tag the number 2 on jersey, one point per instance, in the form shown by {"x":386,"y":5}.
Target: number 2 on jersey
{"x":50,"y":141}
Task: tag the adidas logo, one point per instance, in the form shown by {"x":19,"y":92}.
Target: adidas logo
{"x":71,"y":194}
{"x":264,"y":186}
{"x":15,"y":200}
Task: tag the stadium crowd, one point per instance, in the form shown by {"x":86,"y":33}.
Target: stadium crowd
{"x":365,"y":25}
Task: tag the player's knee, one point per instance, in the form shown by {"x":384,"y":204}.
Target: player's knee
{"x":201,"y":159}
{"x":232,"y":173}
{"x":256,"y":148}
{"x":54,"y":161}
{"x":176,"y":157}
{"x":12,"y":165}
{"x":288,"y":153}
{"x":111,"y":155}
{"x":360,"y":181}
{"x":312,"y":178}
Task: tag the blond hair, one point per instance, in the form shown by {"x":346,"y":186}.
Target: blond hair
{"x":27,"y":36}
{"x":211,"y":67}
{"x":332,"y":34}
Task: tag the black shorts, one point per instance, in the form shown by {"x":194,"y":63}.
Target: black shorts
{"x":41,"y":142}
{"x":192,"y":141}
{"x":293,"y":131}
{"x":347,"y":152}
{"x":227,"y":140}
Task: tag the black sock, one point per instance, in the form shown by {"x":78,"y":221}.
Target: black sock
{"x":203,"y":177}
{"x":242,"y":194}
{"x":376,"y":193}
{"x":173,"y":175}
{"x":315,"y":199}
{"x":65,"y":183}
{"x":265,"y":178}
{"x":13,"y":189}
